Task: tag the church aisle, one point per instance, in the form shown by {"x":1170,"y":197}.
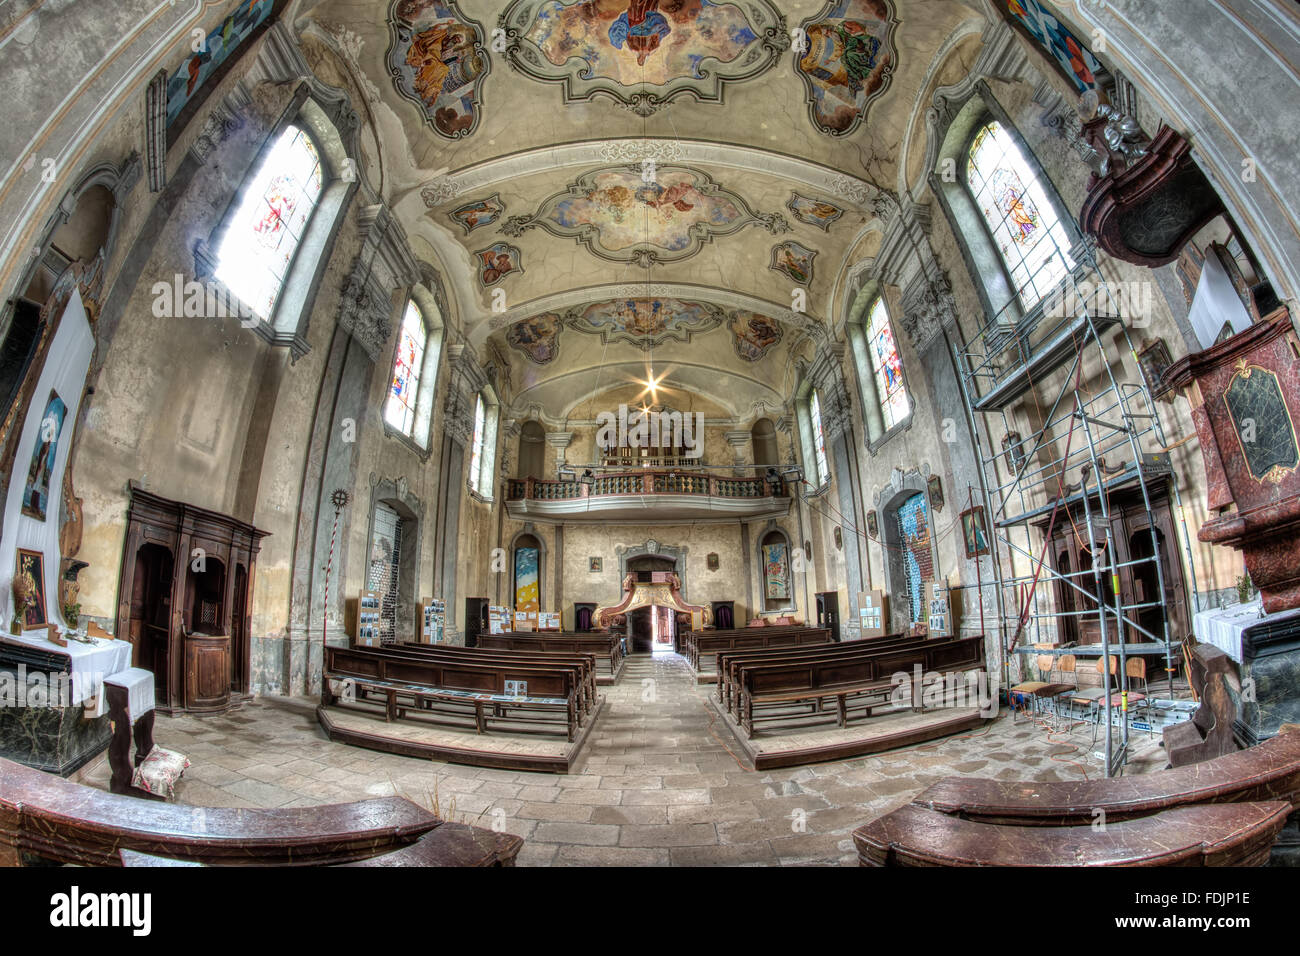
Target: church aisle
{"x":655,"y":787}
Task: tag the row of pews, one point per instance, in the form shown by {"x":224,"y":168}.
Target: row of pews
{"x":45,"y":819}
{"x":605,"y":646}
{"x":701,"y":648}
{"x":790,"y":685}
{"x":1228,"y":811}
{"x":479,"y":688}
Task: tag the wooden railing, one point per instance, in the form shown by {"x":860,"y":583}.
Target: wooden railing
{"x":644,"y":483}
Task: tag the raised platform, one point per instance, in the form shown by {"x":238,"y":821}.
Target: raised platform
{"x":771,"y":749}
{"x":413,"y":737}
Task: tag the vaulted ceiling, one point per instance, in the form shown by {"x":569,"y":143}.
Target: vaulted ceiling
{"x":621,"y":184}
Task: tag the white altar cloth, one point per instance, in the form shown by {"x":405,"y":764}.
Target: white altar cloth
{"x":1224,"y":626}
{"x":90,"y":664}
{"x":138,"y":683}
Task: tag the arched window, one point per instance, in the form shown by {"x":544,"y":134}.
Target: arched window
{"x":258,"y":248}
{"x":408,"y":366}
{"x":818,"y":439}
{"x":887,"y":367}
{"x":482,"y":455}
{"x":1018,"y":214}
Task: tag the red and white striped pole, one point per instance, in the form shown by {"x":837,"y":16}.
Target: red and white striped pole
{"x":340,"y":498}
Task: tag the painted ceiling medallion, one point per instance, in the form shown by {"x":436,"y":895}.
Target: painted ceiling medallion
{"x":622,"y":215}
{"x":496,"y":262}
{"x":436,"y":59}
{"x":848,"y":63}
{"x":643,"y":53}
{"x":794,"y":261}
{"x":480,"y":212}
{"x":754,"y":334}
{"x":814,"y":212}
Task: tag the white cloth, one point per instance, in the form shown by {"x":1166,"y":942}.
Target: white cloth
{"x":90,"y":664}
{"x":65,"y":373}
{"x":138,"y":683}
{"x":1224,"y":626}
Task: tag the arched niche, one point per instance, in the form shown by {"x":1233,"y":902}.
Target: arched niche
{"x":763,"y":438}
{"x":527,"y":568}
{"x":391,"y":499}
{"x":776,"y":570}
{"x":532,"y":450}
{"x":905,"y":497}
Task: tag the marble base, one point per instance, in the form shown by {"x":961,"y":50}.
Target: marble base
{"x":1271,"y":662}
{"x":58,"y":740}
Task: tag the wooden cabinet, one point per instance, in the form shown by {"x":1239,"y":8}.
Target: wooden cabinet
{"x":207,"y":672}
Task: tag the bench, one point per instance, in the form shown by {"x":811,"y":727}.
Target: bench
{"x":455,"y":687}
{"x":865,"y":676}
{"x":730,"y":662}
{"x":55,"y":820}
{"x":606,"y":647}
{"x":1229,"y":834}
{"x":584,"y":664}
{"x":703,"y":645}
{"x":1213,"y":675}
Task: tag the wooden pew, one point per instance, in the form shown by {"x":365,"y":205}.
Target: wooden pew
{"x":584,"y":664}
{"x":729,"y":662}
{"x":867,"y":677}
{"x":45,"y":816}
{"x":605,"y":646}
{"x":1269,"y":771}
{"x":704,"y":645}
{"x":1230,"y":834}
{"x":1208,"y":734}
{"x":455,"y":687}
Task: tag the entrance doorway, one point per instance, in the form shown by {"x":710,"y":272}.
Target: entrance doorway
{"x":650,"y":629}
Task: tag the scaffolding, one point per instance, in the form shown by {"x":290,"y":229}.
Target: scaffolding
{"x":1068,"y":366}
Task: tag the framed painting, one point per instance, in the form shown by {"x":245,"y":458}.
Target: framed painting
{"x":595,"y":564}
{"x":713,"y":561}
{"x":873,"y":526}
{"x":36,"y":492}
{"x":934,"y":487}
{"x":975,"y":532}
{"x":30,"y":568}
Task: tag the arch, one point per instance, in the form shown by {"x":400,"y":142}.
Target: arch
{"x":763,"y":439}
{"x":395,"y":522}
{"x":532,"y":450}
{"x":651,"y":547}
{"x":908,"y":542}
{"x":777,"y":574}
{"x":527,"y":570}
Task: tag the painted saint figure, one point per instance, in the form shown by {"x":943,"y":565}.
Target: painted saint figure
{"x":642,"y":27}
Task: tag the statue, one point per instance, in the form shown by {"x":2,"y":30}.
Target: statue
{"x":1113,"y":139}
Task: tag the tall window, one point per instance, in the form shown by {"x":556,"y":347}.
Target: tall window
{"x":1019,"y":215}
{"x":819,"y":438}
{"x":482,"y":456}
{"x":476,"y":448}
{"x":407,"y":367}
{"x":887,"y":367}
{"x":258,"y":248}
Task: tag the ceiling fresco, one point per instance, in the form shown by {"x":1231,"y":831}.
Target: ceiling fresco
{"x":848,"y":61}
{"x":645,"y":216}
{"x":643,"y":53}
{"x":645,"y":323}
{"x":496,"y":262}
{"x":436,"y":59}
{"x":814,"y":212}
{"x":481,"y":212}
{"x":794,"y":261}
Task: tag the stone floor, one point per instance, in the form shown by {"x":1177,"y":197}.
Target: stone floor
{"x":659,"y":783}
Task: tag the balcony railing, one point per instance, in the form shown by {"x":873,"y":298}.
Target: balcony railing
{"x":645,"y":483}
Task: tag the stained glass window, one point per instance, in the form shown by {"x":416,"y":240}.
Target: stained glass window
{"x":895,"y":405}
{"x":1020,"y":217}
{"x":405,"y":387}
{"x":264,"y":233}
{"x":819,"y":438}
{"x":476,"y":449}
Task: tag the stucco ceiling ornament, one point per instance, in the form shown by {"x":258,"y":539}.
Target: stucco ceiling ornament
{"x":645,"y":57}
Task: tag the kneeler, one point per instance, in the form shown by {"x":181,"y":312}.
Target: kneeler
{"x":130,"y":696}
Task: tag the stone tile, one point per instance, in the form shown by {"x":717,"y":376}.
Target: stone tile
{"x":580,"y":834}
{"x":678,"y":834}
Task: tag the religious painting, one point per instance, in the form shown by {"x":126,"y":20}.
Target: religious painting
{"x":627,"y":214}
{"x":36,"y":492}
{"x":934,"y":489}
{"x":776,"y":572}
{"x":1013,"y":451}
{"x":528,"y":588}
{"x":994,"y":178}
{"x":642,"y":53}
{"x":30,"y":571}
{"x":496,"y":262}
{"x":794,"y":261}
{"x":595,"y":564}
{"x":645,"y":322}
{"x":839,"y":539}
{"x":873,"y":525}
{"x":712,"y":561}
{"x":1154,"y":360}
{"x":974,"y":532}
{"x":1062,"y":47}
{"x":537,"y":337}
{"x":483,"y":212}
{"x":215,"y":50}
{"x":754,"y":334}
{"x":436,"y":59}
{"x":913,"y":520}
{"x":1262,"y":422}
{"x":848,"y":60}
{"x":815,"y":212}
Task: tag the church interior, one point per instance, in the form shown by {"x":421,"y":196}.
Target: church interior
{"x":650,"y":433}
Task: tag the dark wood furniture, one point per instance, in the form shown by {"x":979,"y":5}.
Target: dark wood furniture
{"x":701,"y":647}
{"x":456,"y":690}
{"x":730,"y":662}
{"x":51,"y":819}
{"x":607,"y":647}
{"x":1209,"y":733}
{"x":1230,"y":834}
{"x":583,"y":666}
{"x":119,"y":745}
{"x":828,"y":612}
{"x":863,"y":680}
{"x":476,"y":620}
{"x":191,"y":628}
